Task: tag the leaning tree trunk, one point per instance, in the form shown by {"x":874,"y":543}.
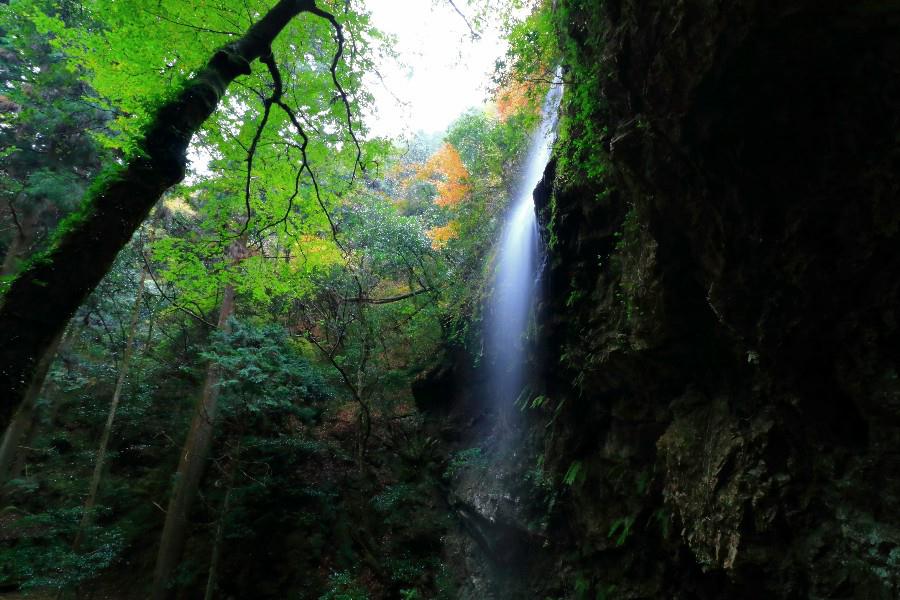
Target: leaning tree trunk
{"x":190,"y":468}
{"x":87,"y":517}
{"x":22,"y":422}
{"x":23,"y":419}
{"x":38,"y":303}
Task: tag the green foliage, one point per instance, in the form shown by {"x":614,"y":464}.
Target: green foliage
{"x":406,"y":570}
{"x":606,"y":592}
{"x":663,"y":519}
{"x":584,"y":127}
{"x":391,"y":497}
{"x":574,"y":296}
{"x":568,"y":33}
{"x":44,"y":556}
{"x":470,"y":458}
{"x":132,"y":71}
{"x":627,"y":245}
{"x":582,"y":587}
{"x":48,"y":155}
{"x":622,"y":527}
{"x":264,"y":374}
{"x":343,"y":586}
{"x":539,"y":401}
{"x":533,"y":51}
{"x":574,"y":473}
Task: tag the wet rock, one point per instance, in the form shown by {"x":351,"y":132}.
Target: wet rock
{"x":720,"y":328}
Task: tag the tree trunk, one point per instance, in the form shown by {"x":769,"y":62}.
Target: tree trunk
{"x":23,"y":419}
{"x":190,"y":468}
{"x":22,"y":423}
{"x":365,"y":413}
{"x":212,"y":580}
{"x":87,"y":517}
{"x":39,"y":301}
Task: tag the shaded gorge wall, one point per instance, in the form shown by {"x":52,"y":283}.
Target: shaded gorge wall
{"x":717,"y":404}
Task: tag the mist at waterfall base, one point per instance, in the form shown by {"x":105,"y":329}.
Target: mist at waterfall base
{"x":517,"y":265}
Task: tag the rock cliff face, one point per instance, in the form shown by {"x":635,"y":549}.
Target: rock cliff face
{"x":719,"y":411}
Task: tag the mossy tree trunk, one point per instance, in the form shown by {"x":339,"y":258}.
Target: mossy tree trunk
{"x":21,"y":425}
{"x":40,"y":300}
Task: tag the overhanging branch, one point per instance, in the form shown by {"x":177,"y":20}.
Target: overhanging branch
{"x":465,"y":19}
{"x":364,"y":300}
{"x":339,"y":36}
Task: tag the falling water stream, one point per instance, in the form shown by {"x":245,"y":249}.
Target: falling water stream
{"x":491,"y":493}
{"x":517,"y":265}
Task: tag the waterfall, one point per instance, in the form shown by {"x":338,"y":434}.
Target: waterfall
{"x":516,"y":268}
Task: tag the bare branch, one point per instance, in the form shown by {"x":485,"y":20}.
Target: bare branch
{"x":331,"y":359}
{"x":339,"y":35}
{"x":465,"y":19}
{"x":268,"y":60}
{"x":15,"y":216}
{"x":188,"y":25}
{"x":305,"y":165}
{"x":276,"y":98}
{"x":363,"y":300}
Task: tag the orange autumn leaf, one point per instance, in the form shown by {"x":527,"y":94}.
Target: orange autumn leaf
{"x":439,"y":236}
{"x":452,"y":177}
{"x":514,"y":97}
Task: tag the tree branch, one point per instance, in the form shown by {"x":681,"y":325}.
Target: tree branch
{"x":339,"y":35}
{"x":331,"y":359}
{"x":364,"y":300}
{"x":169,"y":299}
{"x":188,"y":25}
{"x":268,"y":60}
{"x":296,"y":123}
{"x":15,"y":216}
{"x":465,"y":19}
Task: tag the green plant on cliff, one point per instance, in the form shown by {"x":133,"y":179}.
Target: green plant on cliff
{"x":343,"y":586}
{"x":574,"y":474}
{"x":470,"y":458}
{"x":580,"y":26}
{"x":621,"y":529}
{"x":563,"y":33}
{"x":582,"y":587}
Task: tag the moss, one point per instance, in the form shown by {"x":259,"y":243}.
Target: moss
{"x":584,"y":126}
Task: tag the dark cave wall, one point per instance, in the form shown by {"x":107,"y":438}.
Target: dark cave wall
{"x":721,"y":325}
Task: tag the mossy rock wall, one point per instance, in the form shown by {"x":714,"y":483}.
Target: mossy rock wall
{"x":719,"y":328}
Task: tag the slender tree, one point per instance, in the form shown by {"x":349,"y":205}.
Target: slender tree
{"x":193,"y":457}
{"x":212,"y":579}
{"x":100,"y":461}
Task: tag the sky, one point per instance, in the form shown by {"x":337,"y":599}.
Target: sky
{"x":439,"y":73}
{"x":445,"y":73}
